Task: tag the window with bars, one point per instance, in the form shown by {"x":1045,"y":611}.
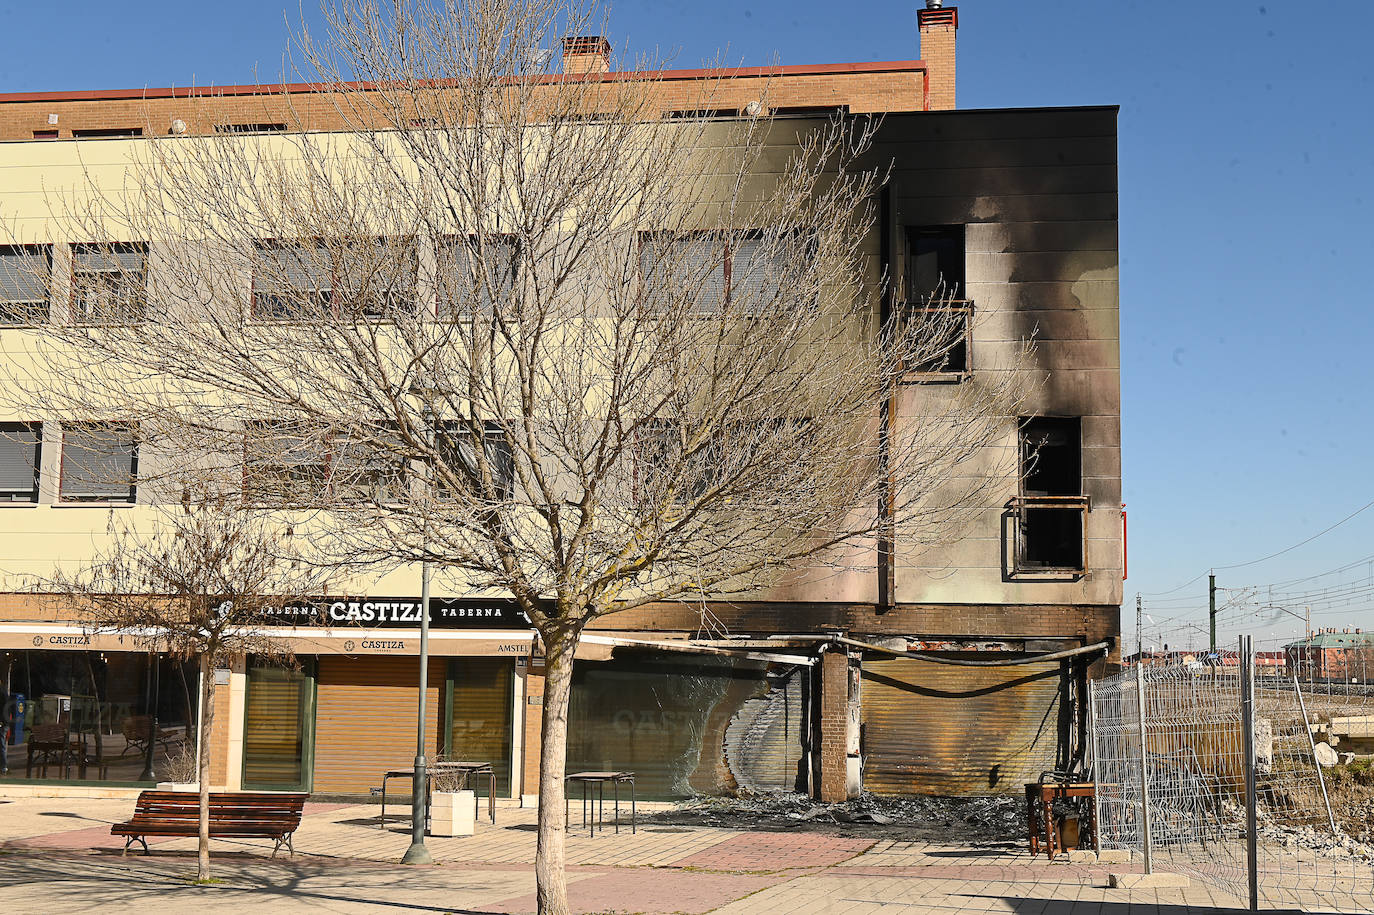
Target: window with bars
{"x":474,"y":273}
{"x":109,"y":283}
{"x":99,"y":462}
{"x":25,"y":273}
{"x":21,"y":452}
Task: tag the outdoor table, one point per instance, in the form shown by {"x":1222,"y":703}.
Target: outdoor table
{"x":466,"y":769}
{"x":1044,"y":795}
{"x":598,"y":781}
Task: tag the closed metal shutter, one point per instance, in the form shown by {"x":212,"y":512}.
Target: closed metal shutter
{"x":938,"y":729}
{"x":482,"y":695}
{"x":365,"y":719}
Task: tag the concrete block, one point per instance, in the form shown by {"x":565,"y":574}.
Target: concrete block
{"x":453,"y":813}
{"x":1082,"y":856}
{"x":529,"y":800}
{"x":1156,"y":880}
{"x":1114,"y":856}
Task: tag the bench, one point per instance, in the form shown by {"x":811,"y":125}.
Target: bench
{"x":240,"y":814}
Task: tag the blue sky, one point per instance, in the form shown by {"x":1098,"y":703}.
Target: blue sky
{"x":1246,"y":187}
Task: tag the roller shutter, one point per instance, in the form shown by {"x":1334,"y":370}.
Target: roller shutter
{"x":481,"y":703}
{"x":365,"y":719}
{"x":938,"y":729}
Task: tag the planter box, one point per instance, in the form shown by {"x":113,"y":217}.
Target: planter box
{"x":179,"y":786}
{"x":453,"y":813}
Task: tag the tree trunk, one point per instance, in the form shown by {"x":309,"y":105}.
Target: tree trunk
{"x":207,"y":717}
{"x":550,"y":881}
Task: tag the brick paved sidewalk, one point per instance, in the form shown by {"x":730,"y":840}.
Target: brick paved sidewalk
{"x":60,"y":851}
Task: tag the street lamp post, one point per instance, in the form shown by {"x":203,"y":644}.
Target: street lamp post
{"x":417,"y":853}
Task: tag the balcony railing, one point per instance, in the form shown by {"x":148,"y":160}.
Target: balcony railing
{"x":949,"y":330}
{"x":1051,"y":534}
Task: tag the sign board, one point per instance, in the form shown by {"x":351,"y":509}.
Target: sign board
{"x":399,"y":612}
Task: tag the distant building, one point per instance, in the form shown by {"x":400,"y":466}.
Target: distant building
{"x":1329,"y":654}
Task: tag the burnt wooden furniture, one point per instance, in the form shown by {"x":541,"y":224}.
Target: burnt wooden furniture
{"x":245,"y":814}
{"x":1040,"y":798}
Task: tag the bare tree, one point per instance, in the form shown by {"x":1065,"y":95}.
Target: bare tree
{"x":198,"y":581}
{"x":530,"y":328}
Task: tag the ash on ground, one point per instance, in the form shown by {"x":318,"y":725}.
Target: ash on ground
{"x":960,"y":820}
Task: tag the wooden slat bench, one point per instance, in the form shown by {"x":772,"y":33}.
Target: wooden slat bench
{"x":235,"y":813}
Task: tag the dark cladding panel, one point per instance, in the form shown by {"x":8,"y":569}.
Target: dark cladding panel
{"x":938,"y":729}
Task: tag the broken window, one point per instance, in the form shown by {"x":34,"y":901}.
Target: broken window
{"x":936,"y":300}
{"x":1051,"y":507}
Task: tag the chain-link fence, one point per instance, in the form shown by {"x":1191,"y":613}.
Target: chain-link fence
{"x":1225,"y":751}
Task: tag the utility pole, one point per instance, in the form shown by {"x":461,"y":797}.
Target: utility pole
{"x":1139,"y":632}
{"x":1212,"y":610}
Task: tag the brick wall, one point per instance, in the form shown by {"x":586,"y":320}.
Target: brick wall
{"x":938,"y":28}
{"x":834,"y":730}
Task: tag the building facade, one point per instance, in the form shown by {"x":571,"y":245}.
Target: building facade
{"x":875,"y":679}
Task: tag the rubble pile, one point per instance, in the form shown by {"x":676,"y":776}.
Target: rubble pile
{"x":964,"y":819}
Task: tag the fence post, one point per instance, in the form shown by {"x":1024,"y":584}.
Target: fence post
{"x":1247,"y":728}
{"x":1312,"y":745}
{"x":1091,"y":768}
{"x":1147,"y":840}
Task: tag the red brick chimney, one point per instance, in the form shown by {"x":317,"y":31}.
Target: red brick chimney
{"x":937,"y":25}
{"x":586,"y":54}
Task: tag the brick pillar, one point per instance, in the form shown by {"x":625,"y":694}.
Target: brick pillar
{"x":839,"y":732}
{"x":220,"y":729}
{"x":938,"y":27}
{"x":534,"y":717}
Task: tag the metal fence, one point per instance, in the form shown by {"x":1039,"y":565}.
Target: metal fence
{"x":1249,"y":781}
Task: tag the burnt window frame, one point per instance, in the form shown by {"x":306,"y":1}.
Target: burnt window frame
{"x":1040,"y":507}
{"x":948,"y":301}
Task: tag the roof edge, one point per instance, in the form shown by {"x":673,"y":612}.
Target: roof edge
{"x":92,"y":95}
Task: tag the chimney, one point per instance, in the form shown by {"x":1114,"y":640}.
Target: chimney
{"x":937,"y":26}
{"x":586,"y":54}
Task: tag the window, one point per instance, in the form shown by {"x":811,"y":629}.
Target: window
{"x":99,"y":462}
{"x":21,"y":452}
{"x":458,"y":452}
{"x":24,"y":275}
{"x":747,"y":272}
{"x":45,"y":134}
{"x":109,"y":283}
{"x":474,"y":273}
{"x":936,"y":301}
{"x":1050,"y":510}
{"x":285,"y":463}
{"x":295,"y":281}
{"x":935,"y":263}
{"x":733,"y":450}
{"x":106,"y":133}
{"x":250,"y":128}
{"x":289,"y":464}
